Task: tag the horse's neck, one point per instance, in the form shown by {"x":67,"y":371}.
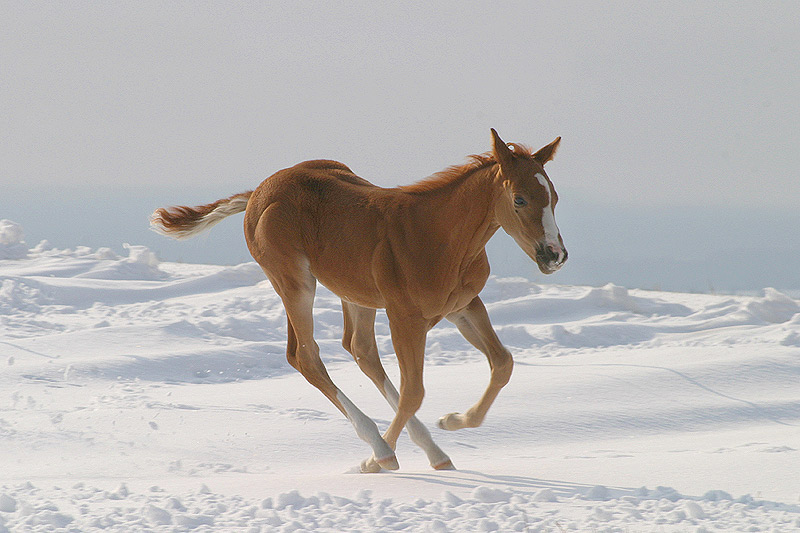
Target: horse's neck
{"x":466,"y":209}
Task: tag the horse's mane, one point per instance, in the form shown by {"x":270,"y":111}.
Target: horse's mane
{"x":456,"y":172}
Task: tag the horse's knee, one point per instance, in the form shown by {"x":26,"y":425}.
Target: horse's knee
{"x":502,"y":368}
{"x":411,"y":398}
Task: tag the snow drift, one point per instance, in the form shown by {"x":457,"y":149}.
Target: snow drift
{"x":141,"y":395}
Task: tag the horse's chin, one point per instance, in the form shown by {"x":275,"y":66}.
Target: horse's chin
{"x":549,"y":268}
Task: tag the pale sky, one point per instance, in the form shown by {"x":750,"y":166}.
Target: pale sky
{"x":659,"y":104}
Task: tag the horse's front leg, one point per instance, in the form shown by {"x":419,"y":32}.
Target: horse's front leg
{"x":473,"y":322}
{"x":359,"y":340}
{"x":408,"y":338}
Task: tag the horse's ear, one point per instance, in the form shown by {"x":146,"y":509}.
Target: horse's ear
{"x":500,"y":150}
{"x":546,"y":154}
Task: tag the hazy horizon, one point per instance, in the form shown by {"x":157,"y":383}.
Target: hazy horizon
{"x":637,"y":248}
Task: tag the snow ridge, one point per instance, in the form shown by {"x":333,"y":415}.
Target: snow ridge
{"x":131,"y":387}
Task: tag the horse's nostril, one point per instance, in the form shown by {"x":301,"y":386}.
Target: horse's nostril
{"x":551,"y":253}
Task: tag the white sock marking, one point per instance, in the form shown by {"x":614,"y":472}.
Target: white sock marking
{"x":416,"y":430}
{"x":365,"y":427}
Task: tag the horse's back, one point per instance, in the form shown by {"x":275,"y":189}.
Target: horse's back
{"x":317,"y":210}
{"x":315,"y":181}
{"x":328,"y":170}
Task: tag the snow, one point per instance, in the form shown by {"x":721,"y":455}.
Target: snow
{"x":12,"y":240}
{"x":149,"y":396}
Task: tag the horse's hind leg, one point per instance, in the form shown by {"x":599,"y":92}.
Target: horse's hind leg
{"x":297,"y":292}
{"x":359,"y":340}
{"x":473,"y":323}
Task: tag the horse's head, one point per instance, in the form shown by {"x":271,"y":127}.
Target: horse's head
{"x":526,"y":208}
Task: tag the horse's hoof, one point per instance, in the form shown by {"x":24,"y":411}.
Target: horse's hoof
{"x":389,"y":463}
{"x":370,"y":466}
{"x":373,"y":466}
{"x":447,"y":422}
{"x":444,"y":465}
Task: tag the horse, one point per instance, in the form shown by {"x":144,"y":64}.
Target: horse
{"x":417,"y":251}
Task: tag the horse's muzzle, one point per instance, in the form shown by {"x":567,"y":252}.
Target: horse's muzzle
{"x":550,"y":257}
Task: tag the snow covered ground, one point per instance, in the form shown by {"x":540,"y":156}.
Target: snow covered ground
{"x":137,"y":395}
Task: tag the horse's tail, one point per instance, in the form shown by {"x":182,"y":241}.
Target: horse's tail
{"x":181,"y":222}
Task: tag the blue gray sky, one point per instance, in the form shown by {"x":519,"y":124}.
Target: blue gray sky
{"x":677,"y":170}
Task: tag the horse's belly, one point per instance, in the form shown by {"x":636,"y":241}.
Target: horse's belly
{"x":349,"y":283}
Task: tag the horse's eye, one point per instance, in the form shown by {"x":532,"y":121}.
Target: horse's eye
{"x":519,"y":201}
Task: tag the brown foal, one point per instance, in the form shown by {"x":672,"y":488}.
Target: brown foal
{"x":416,"y":251}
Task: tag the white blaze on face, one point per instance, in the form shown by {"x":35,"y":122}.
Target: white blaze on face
{"x":548,"y":216}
